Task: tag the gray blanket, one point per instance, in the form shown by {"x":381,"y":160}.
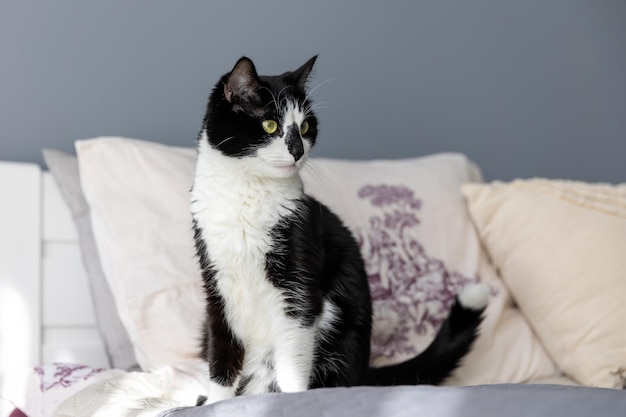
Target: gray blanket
{"x":480,"y":401}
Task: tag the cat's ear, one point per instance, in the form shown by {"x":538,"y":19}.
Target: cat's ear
{"x":302,"y":74}
{"x":242,"y":82}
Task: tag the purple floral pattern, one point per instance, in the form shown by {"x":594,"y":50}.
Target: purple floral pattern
{"x":63,"y":375}
{"x":412,"y":292}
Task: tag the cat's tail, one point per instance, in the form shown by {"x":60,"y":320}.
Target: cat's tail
{"x":453,"y":341}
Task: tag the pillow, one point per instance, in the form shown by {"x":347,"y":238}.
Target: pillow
{"x":119,"y":349}
{"x":139,"y":200}
{"x":138,"y":194}
{"x":560,"y":247}
{"x":420,"y":249}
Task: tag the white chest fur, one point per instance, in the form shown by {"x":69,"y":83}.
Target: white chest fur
{"x":236,"y":213}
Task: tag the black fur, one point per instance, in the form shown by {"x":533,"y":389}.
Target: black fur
{"x":314,"y":258}
{"x":315,"y":240}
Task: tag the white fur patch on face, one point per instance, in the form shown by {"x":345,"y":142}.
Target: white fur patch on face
{"x":280,"y":162}
{"x":293,"y":114}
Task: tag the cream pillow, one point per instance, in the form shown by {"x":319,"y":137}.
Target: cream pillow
{"x":138,"y":193}
{"x":561,"y":249}
{"x":416,"y":237}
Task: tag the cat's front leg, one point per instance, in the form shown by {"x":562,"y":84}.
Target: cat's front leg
{"x":225,"y":354}
{"x":224,"y":371}
{"x":294,"y":359}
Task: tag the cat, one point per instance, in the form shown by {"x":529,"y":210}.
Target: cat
{"x":288,"y":306}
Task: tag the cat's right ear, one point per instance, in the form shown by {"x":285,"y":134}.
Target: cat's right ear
{"x":242,"y":82}
{"x":302,"y":73}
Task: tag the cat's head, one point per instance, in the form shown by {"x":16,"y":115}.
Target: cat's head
{"x":267,"y":122}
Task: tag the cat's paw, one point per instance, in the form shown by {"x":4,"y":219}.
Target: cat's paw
{"x":219,"y":392}
{"x":475,"y":296}
{"x":181,"y":384}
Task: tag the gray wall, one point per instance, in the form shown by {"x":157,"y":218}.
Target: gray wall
{"x":525,"y":88}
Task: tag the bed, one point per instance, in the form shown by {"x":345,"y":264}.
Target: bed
{"x":67,"y":351}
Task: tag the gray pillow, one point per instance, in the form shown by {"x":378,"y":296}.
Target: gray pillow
{"x":119,"y":349}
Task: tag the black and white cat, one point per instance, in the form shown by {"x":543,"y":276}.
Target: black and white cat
{"x":288,"y":306}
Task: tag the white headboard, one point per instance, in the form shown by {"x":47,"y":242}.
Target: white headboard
{"x":46,"y":312}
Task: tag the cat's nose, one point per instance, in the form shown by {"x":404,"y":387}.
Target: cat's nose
{"x":294,"y":142}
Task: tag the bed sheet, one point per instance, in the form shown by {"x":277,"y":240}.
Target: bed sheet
{"x":155,"y":395}
{"x":515,"y":400}
{"x":66,"y":390}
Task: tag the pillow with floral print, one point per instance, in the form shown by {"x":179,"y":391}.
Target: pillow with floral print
{"x":420,"y":248}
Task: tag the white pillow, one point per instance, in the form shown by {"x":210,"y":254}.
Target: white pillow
{"x":138,"y":192}
{"x":560,"y":246}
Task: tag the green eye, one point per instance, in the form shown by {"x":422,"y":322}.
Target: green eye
{"x":304,"y":127}
{"x":269,"y":126}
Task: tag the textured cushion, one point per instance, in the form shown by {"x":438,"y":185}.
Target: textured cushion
{"x":560,"y":247}
{"x":119,"y":349}
{"x":408,"y":215}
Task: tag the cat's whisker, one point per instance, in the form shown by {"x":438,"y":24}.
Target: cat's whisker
{"x":286,"y":102}
{"x":320,"y":103}
{"x":224,"y":141}
{"x":280,"y":93}
{"x":319,"y":85}
{"x":273,"y":97}
{"x":325,"y":108}
{"x":316,"y":106}
{"x":321,"y":175}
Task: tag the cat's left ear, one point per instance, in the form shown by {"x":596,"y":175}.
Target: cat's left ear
{"x":242,"y":82}
{"x":302,"y":74}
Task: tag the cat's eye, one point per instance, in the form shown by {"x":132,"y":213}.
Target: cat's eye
{"x":269,"y":126}
{"x":304,"y":127}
